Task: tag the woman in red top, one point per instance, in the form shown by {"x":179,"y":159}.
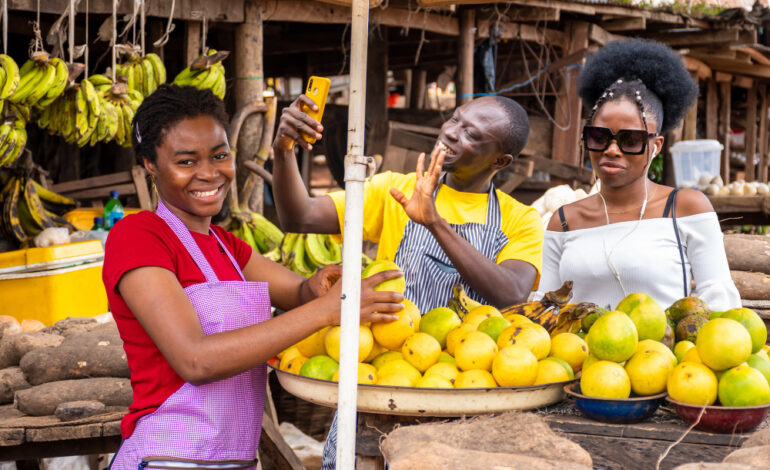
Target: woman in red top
{"x":192,"y":301}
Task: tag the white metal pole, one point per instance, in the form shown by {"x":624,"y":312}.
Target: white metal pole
{"x":355,"y":173}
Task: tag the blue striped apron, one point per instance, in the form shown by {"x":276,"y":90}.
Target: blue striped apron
{"x":430,"y":275}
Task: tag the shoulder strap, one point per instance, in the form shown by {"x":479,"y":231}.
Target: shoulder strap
{"x":672,"y":203}
{"x":669,"y":202}
{"x":563,"y":220}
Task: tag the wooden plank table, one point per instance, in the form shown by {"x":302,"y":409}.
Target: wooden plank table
{"x":742,"y":210}
{"x":25,"y":437}
{"x":612,"y":446}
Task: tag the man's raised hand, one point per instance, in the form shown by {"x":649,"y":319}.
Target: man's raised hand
{"x":421,"y":208}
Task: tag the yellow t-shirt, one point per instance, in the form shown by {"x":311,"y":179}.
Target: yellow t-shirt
{"x":385,"y":219}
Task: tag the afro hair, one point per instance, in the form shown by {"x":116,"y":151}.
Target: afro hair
{"x":659,"y":68}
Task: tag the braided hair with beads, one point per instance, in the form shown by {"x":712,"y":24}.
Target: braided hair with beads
{"x":164,"y":108}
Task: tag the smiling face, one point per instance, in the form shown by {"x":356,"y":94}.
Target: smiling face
{"x":615,"y":168}
{"x":193,"y":170}
{"x":473,"y":139}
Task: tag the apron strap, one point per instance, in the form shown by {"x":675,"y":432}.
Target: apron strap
{"x":181,"y":231}
{"x":229,"y":255}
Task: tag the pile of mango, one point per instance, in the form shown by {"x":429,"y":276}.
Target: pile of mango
{"x":443,"y":348}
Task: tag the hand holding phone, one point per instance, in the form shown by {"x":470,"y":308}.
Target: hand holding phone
{"x":317,"y":90}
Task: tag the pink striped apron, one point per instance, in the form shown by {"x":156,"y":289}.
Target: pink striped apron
{"x":218,"y":423}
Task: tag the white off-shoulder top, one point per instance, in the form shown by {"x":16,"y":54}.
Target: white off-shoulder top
{"x":647,"y":261}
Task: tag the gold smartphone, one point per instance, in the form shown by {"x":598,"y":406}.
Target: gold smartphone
{"x":317,"y":90}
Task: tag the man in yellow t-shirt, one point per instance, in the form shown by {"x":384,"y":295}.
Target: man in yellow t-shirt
{"x":442,"y":226}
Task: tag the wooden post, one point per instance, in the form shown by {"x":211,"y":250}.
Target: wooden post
{"x":712,"y":109}
{"x":248,"y":87}
{"x":751,"y":131}
{"x":192,"y":35}
{"x":465,"y":55}
{"x":419,"y":89}
{"x":408,"y":88}
{"x":377,"y":91}
{"x":763,"y":134}
{"x":566,"y":141}
{"x":724,"y":127}
{"x":690,"y":129}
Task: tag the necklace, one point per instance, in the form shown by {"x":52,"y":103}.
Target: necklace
{"x":643,"y":203}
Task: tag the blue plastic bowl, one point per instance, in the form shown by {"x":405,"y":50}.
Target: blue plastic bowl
{"x":618,"y":411}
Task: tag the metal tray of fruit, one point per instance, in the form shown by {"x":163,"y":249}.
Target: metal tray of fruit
{"x":412,"y":401}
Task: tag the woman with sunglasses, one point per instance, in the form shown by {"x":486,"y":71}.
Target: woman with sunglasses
{"x":635,"y":235}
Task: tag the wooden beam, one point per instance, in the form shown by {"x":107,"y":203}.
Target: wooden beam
{"x":712,"y":109}
{"x":598,"y":35}
{"x":743,"y":82}
{"x":696,"y":38}
{"x":465,"y":55}
{"x":566,"y":136}
{"x":520,"y":13}
{"x":753,"y":53}
{"x":524,"y":32}
{"x":751,"y":132}
{"x":722,"y":77}
{"x":763,"y":133}
{"x":737,"y":67}
{"x":230,"y":11}
{"x":702,"y":71}
{"x":299,"y":11}
{"x":724,"y":126}
{"x":625,"y":24}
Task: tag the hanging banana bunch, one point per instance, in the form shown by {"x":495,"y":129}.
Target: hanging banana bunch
{"x":143,"y":74}
{"x":13,"y":132}
{"x":206,"y":72}
{"x":42,"y":80}
{"x":302,"y":253}
{"x":9,"y":78}
{"x":27,"y":208}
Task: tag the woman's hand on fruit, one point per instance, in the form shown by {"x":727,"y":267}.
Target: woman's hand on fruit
{"x":295,"y":122}
{"x":376,"y":306}
{"x":319,"y":283}
{"x":421,"y":207}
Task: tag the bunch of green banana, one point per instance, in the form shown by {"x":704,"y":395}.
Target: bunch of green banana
{"x":9,"y":77}
{"x":302,"y":253}
{"x":27,"y":208}
{"x":143,"y":74}
{"x":94,"y":110}
{"x":206,"y":72}
{"x":42,"y":80}
{"x":13,"y":133}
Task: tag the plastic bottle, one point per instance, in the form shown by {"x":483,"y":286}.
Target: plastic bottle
{"x":112,"y":210}
{"x":98,"y":224}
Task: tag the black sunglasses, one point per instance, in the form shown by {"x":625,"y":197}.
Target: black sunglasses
{"x":630,"y":141}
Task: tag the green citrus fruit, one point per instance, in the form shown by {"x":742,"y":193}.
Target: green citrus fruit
{"x":439,"y":322}
{"x":647,"y":315}
{"x":612,"y":337}
{"x":753,"y":323}
{"x":743,"y":386}
{"x":319,"y":367}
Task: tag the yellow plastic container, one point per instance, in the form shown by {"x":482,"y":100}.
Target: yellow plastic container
{"x":83,"y":218}
{"x":53,"y":283}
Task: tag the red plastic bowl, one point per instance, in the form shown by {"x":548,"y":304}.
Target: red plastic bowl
{"x":722,"y":419}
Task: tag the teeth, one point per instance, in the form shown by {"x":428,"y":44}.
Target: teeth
{"x":446,"y":149}
{"x":205,"y":193}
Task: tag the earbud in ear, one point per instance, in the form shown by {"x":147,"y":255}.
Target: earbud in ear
{"x":654,"y":150}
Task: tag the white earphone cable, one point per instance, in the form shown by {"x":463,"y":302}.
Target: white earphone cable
{"x":608,"y":256}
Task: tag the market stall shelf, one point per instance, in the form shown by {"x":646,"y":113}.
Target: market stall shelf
{"x":742,"y":210}
{"x":25,"y":437}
